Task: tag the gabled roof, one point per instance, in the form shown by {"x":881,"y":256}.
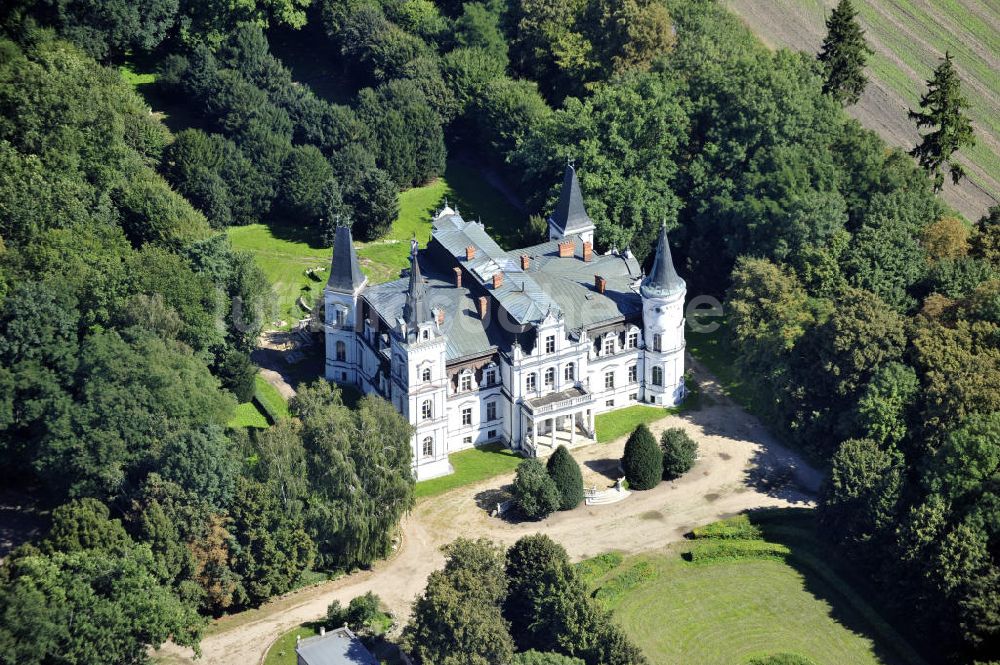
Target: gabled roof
{"x":570,"y":214}
{"x":345,"y":275}
{"x":663,"y":279}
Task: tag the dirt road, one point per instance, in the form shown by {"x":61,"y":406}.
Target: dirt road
{"x":800,"y":26}
{"x":741,"y":466}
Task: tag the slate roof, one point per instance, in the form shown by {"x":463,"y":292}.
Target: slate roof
{"x":337,"y":647}
{"x":551,"y":285}
{"x":416,"y":309}
{"x":663,"y":279}
{"x":345,"y":274}
{"x":570,"y":214}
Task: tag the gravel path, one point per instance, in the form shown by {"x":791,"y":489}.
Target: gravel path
{"x":740,"y":467}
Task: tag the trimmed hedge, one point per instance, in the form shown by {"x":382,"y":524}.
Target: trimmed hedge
{"x":781,"y":659}
{"x":732,"y":528}
{"x":269,"y":400}
{"x":643,"y":460}
{"x":712,"y":551}
{"x":565,"y":472}
{"x":626,"y":581}
{"x":599,"y":566}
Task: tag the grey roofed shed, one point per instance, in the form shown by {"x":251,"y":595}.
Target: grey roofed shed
{"x":337,"y":647}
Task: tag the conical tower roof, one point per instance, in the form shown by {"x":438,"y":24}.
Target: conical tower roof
{"x":663,"y":279}
{"x":345,"y":274}
{"x":416,"y":309}
{"x":570,"y":214}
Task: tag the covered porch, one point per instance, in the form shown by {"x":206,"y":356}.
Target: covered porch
{"x":562,"y":418}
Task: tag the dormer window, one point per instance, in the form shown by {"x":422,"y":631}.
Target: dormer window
{"x":489,"y":377}
{"x":633,"y":339}
{"x":550,"y":344}
{"x":609,"y":345}
{"x":339,"y":317}
{"x":426,"y":375}
{"x":465,"y":382}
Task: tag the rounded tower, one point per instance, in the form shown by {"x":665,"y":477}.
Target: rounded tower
{"x":663,"y":293}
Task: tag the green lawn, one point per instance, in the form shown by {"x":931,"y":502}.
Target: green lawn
{"x":282,"y":652}
{"x":284,"y":254}
{"x":248,"y":415}
{"x":471,"y":466}
{"x":609,"y":426}
{"x":270,"y":400}
{"x":727,"y":611}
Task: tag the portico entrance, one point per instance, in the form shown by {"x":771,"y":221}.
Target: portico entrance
{"x":563,"y":418}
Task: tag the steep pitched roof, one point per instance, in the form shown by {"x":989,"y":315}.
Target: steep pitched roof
{"x":416,"y":310}
{"x":570,"y":214}
{"x":345,"y":275}
{"x":663,"y":279}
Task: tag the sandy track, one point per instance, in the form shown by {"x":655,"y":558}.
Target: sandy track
{"x":741,"y":466}
{"x":799,"y":25}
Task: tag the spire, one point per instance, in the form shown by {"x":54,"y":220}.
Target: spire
{"x":345,"y":275}
{"x":415,"y":310}
{"x":570,"y":214}
{"x":662,"y":279}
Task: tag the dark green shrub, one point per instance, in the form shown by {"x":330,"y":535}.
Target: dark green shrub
{"x":535,"y":493}
{"x":643,"y":460}
{"x":565,"y":472}
{"x":709,"y":551}
{"x":679,"y":453}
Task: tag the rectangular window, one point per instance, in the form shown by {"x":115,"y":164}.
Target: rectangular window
{"x":634,"y":397}
{"x":467,"y":440}
{"x":550,"y":344}
{"x":467,"y":416}
{"x":492,"y":434}
{"x":491,"y":411}
{"x":490,"y":377}
{"x":609,"y":380}
{"x":428,"y":447}
{"x":609,"y":345}
{"x":633,"y":373}
{"x":610,"y":402}
{"x":550,"y":376}
{"x":633,"y":339}
{"x":657,"y":342}
{"x":530,"y":382}
{"x":465,"y":382}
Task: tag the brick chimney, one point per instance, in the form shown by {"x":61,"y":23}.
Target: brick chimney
{"x":588,"y":251}
{"x":525,"y":261}
{"x":440,"y":317}
{"x":484,"y":305}
{"x":600,"y":283}
{"x":497,"y":280}
{"x":470,"y":253}
{"x":566,"y":249}
{"x":458,"y":277}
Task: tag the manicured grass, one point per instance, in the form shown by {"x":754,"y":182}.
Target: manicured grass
{"x":284,"y":253}
{"x":609,"y":426}
{"x":471,"y":466}
{"x":282,"y":652}
{"x":727,"y":611}
{"x":270,"y":400}
{"x":248,"y":415}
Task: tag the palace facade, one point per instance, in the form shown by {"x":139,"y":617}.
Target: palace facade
{"x":479,"y":344}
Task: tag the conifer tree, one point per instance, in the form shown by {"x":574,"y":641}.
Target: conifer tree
{"x":565,"y":472}
{"x":942,"y":107}
{"x":844,"y":54}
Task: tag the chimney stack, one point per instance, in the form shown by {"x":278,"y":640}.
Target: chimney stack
{"x":566,"y":249}
{"x":497,"y":280}
{"x":470,"y":253}
{"x":484,"y":305}
{"x":440,"y":317}
{"x":458,"y":278}
{"x":600,"y":283}
{"x":588,"y":251}
{"x":525,"y":261}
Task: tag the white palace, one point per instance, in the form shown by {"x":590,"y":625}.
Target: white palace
{"x":524,"y":347}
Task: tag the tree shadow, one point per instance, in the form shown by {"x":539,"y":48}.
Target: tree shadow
{"x":609,"y":467}
{"x":853,"y":602}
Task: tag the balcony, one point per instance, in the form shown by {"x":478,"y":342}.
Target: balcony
{"x":555,"y":401}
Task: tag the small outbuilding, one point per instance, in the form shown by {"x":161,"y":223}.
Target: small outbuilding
{"x":335,"y":647}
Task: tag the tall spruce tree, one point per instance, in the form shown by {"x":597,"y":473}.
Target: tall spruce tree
{"x":942,"y":107}
{"x":844,"y":54}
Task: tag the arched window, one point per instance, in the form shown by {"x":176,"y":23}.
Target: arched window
{"x":657,"y":342}
{"x":657,"y":376}
{"x":341,"y":352}
{"x":550,"y":376}
{"x":570,"y":372}
{"x":427,"y":448}
{"x":426,"y":375}
{"x":427,"y":410}
{"x":530,"y":382}
{"x":424,"y":334}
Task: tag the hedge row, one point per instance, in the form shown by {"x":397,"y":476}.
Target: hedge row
{"x":270,"y":401}
{"x":631,"y":578}
{"x":733,"y":528}
{"x":710,"y":551}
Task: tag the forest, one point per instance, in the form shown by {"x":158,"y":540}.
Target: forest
{"x":864,"y":314}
